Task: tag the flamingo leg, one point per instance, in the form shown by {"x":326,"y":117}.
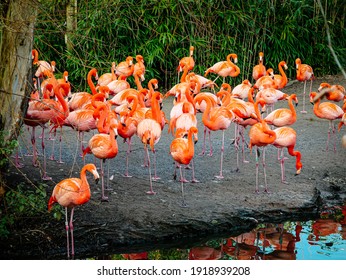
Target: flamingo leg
{"x":34,"y":149}
{"x":204,"y":141}
{"x":243,"y":144}
{"x":71,"y":230}
{"x":264,"y":170}
{"x":149,"y":168}
{"x":127,"y":158}
{"x":304,"y":93}
{"x":220,"y":176}
{"x":67,"y":234}
{"x":257,"y":164}
{"x":103,"y":197}
{"x":155,"y":175}
{"x":60,"y":146}
{"x":194,"y":180}
{"x":183,"y":204}
{"x":44,"y":177}
{"x":210,"y":144}
{"x":282,"y":164}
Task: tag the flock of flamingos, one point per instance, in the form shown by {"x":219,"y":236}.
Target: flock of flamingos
{"x":114,"y":108}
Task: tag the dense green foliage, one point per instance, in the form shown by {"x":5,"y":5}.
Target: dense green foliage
{"x":162,"y":32}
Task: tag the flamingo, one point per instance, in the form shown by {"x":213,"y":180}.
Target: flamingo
{"x":127,"y":128}
{"x":70,"y":193}
{"x":283,"y":116}
{"x":125,"y":67}
{"x":61,"y":112}
{"x":271,"y":96}
{"x":149,"y":132}
{"x":216,"y":118}
{"x":183,"y":123}
{"x":186,"y":61}
{"x":286,"y":138}
{"x":103,"y":146}
{"x":304,"y":73}
{"x":81,"y":99}
{"x":38,"y":114}
{"x":225,"y":68}
{"x":202,"y":81}
{"x":42,"y":66}
{"x":329,"y":111}
{"x":139,"y":67}
{"x":335,"y":92}
{"x":106,"y":78}
{"x":281,"y":80}
{"x":182,"y":151}
{"x":266,"y":81}
{"x":259,"y":70}
{"x":118,"y":85}
{"x":260,"y":136}
{"x":242,"y":90}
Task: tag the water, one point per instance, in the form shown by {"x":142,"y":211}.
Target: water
{"x":321,"y":239}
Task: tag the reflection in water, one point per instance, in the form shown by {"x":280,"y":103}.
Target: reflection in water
{"x":324,"y":238}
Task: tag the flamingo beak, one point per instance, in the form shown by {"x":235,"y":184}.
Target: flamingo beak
{"x":97,"y":180}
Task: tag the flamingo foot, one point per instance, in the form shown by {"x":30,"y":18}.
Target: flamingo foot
{"x":19,"y":165}
{"x":303,"y":112}
{"x":184,"y":180}
{"x":284,"y":182}
{"x":187,"y":167}
{"x":104,"y":198}
{"x":245,"y":161}
{"x":202,"y":153}
{"x":60,"y":161}
{"x":126,"y":175}
{"x":155,"y":178}
{"x":46,"y":178}
{"x":144,"y":165}
{"x":257,"y":191}
{"x":151,"y":192}
{"x":51,"y":157}
{"x":266,"y":190}
{"x":194,"y":180}
{"x":219,"y":176}
{"x":184,"y":205}
{"x":210,"y":154}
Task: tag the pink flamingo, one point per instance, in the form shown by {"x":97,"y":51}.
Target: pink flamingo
{"x":286,"y":138}
{"x":70,"y":193}
{"x":260,"y":136}
{"x":225,"y":68}
{"x":182,"y":150}
{"x":103,"y":146}
{"x":335,"y":93}
{"x":259,"y":70}
{"x":216,"y":118}
{"x":281,"y":80}
{"x":304,"y":73}
{"x":329,"y":111}
{"x":149,"y":132}
{"x":125,"y":68}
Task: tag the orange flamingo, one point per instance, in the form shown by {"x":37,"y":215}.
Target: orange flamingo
{"x":283,"y":116}
{"x":329,"y":111}
{"x":42,"y":66}
{"x":81,"y":99}
{"x":304,"y":73}
{"x":106,"y":78}
{"x":125,"y":67}
{"x":70,"y":193}
{"x":266,"y":81}
{"x":127,"y":128}
{"x":216,"y":118}
{"x":139,"y":67}
{"x":271,"y":96}
{"x":225,"y":68}
{"x":286,"y":137}
{"x":281,"y":80}
{"x":118,"y":85}
{"x":335,"y":92}
{"x":149,"y":132}
{"x":260,"y":136}
{"x":103,"y":146}
{"x":187,"y":60}
{"x":182,"y":150}
{"x":259,"y":70}
{"x":60,"y":113}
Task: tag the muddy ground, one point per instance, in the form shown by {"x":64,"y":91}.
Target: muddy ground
{"x":133,"y":221}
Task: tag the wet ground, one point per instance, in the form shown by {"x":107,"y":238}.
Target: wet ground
{"x":131,"y":219}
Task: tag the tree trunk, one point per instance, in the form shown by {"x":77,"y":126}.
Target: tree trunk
{"x":71,"y":22}
{"x":16,"y":65}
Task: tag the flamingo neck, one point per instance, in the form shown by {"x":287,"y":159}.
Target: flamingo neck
{"x":283,"y":74}
{"x":90,"y":82}
{"x":137,"y":82}
{"x":290,"y":104}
